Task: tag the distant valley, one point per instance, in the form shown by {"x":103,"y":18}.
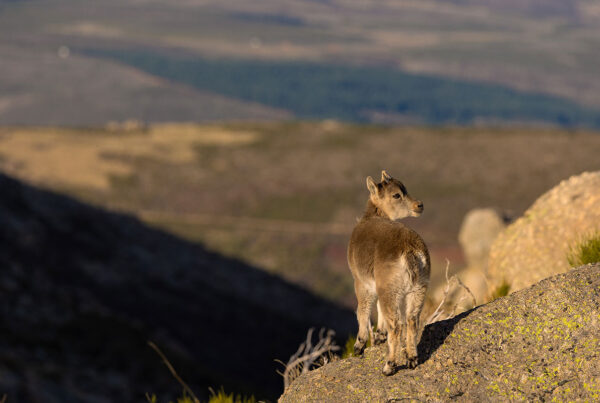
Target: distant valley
{"x":460,"y":62}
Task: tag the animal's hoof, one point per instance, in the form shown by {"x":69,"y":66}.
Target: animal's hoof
{"x":390,"y":368}
{"x":359,"y":347}
{"x":380,"y":337}
{"x":411,"y":362}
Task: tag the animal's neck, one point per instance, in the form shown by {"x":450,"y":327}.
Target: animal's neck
{"x":373,"y":211}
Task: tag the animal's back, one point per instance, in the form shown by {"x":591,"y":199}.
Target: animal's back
{"x":376,"y":240}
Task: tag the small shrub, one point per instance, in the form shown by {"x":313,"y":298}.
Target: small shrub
{"x":585,"y":251}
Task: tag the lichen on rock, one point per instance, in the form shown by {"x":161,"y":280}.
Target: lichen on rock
{"x":540,"y":343}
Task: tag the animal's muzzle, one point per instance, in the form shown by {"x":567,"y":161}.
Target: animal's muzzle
{"x":418,"y":206}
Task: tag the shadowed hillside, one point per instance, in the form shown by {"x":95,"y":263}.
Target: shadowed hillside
{"x":83,"y":289}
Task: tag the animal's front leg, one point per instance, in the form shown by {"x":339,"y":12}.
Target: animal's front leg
{"x":381,"y":332}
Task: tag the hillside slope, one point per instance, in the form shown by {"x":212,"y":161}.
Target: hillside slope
{"x":538,"y":344}
{"x":82,"y":290}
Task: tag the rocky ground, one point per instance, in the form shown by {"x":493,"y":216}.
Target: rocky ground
{"x":538,"y":344}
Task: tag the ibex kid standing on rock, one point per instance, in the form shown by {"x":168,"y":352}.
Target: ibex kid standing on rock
{"x":390,"y":265}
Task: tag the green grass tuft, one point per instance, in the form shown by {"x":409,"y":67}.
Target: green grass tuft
{"x":584,"y":251}
{"x":348,"y":350}
{"x":501,"y":291}
{"x":216,"y":397}
{"x":185,"y":399}
{"x":222,"y":397}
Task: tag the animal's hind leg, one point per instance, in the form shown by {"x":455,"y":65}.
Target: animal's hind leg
{"x":392,"y":307}
{"x":414,"y":305}
{"x":381,"y":332}
{"x":366,"y":297}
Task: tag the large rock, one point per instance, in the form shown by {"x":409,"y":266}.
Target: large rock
{"x":479,"y":229}
{"x":536,"y":245}
{"x":538,"y":344}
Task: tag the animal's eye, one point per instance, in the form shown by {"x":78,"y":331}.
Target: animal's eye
{"x":396,"y":196}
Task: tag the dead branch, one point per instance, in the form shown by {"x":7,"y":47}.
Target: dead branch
{"x":454,"y":281}
{"x":309,"y":357}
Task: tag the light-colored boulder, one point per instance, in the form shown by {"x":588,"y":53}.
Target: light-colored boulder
{"x":479,"y":229}
{"x":536,"y":245}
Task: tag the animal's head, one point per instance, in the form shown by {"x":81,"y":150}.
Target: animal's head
{"x":391,"y":197}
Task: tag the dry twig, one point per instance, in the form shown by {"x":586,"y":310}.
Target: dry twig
{"x":439,"y":313}
{"x":308,"y":357}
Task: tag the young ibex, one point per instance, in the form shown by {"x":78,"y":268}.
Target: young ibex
{"x":390,"y":265}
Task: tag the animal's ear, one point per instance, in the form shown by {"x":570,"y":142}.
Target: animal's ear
{"x":385,"y":177}
{"x":371,"y":186}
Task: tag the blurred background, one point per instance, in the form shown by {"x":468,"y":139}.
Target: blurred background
{"x":243,"y":133}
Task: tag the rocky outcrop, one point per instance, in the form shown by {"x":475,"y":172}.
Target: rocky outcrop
{"x":82,"y":290}
{"x":538,"y":344}
{"x":536,"y":245}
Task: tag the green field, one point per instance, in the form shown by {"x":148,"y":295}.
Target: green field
{"x":358,"y":94}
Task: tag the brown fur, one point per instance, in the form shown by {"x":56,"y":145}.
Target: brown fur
{"x":390,"y":264}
